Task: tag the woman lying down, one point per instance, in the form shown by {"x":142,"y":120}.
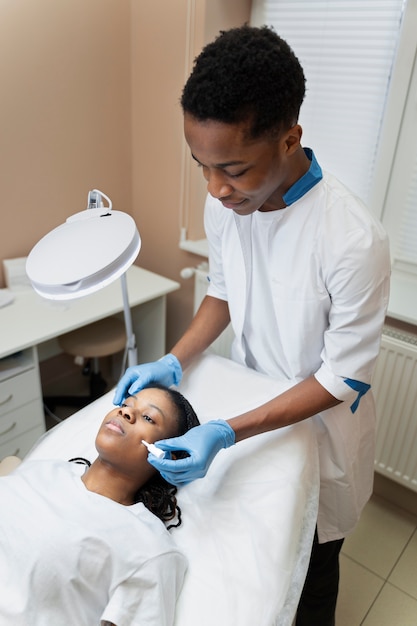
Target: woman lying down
{"x":83,"y":545}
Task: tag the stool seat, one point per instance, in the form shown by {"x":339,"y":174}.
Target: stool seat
{"x":102,"y":338}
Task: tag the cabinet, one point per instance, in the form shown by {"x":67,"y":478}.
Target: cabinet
{"x":21,"y":408}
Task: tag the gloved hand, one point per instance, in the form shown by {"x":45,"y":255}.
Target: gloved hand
{"x":167,"y":371}
{"x":202,"y":444}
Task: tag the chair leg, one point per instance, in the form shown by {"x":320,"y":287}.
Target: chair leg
{"x":97,"y":385}
{"x":77,"y":401}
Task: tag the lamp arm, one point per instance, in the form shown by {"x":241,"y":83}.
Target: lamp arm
{"x":132,"y":357}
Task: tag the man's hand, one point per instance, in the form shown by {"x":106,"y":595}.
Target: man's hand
{"x":167,"y":371}
{"x":202,"y":444}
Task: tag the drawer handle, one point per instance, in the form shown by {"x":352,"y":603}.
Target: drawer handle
{"x":9,"y":397}
{"x":8,"y":429}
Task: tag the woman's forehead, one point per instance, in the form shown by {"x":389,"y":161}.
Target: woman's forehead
{"x":153,"y":397}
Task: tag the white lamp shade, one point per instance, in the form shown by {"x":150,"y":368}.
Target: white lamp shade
{"x":92,"y":249}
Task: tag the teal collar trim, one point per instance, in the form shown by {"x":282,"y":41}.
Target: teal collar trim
{"x":306,"y":182}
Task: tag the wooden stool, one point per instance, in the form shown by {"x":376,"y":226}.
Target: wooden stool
{"x":103,"y":338}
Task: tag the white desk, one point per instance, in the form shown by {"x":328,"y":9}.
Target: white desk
{"x":31,"y":322}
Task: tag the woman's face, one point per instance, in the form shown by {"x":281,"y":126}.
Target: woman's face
{"x":150,"y":415}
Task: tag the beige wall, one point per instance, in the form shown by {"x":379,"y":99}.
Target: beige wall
{"x":90,"y":98}
{"x":64,"y":112}
{"x":161,"y":39}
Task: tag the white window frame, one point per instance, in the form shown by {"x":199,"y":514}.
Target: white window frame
{"x":396,"y":155}
{"x":395,"y":108}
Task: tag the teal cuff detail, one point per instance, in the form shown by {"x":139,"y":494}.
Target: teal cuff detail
{"x":358,"y":386}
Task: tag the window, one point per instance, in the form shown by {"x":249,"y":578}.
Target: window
{"x":400,"y":208}
{"x":347,"y":51}
{"x":399,"y":214}
{"x":360,"y":113}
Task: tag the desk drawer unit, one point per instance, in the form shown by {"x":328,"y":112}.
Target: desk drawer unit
{"x":20,"y":446}
{"x":18,"y":390}
{"x":21,"y":411}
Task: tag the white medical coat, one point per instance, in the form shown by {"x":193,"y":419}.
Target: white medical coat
{"x":322,"y":308}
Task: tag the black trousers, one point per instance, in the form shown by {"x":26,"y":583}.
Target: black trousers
{"x":317,"y":604}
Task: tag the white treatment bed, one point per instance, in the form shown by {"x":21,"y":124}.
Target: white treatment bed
{"x":248,"y":525}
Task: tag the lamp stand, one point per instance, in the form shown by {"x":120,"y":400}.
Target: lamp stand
{"x":131,"y":351}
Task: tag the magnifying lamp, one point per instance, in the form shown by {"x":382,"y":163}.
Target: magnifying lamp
{"x":89,"y":251}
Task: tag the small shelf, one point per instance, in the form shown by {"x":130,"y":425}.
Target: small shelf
{"x":196,"y":246}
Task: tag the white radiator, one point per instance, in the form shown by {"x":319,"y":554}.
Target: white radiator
{"x":395,"y":390}
{"x":223,"y":343}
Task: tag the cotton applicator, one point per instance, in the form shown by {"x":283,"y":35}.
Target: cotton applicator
{"x":154,"y":449}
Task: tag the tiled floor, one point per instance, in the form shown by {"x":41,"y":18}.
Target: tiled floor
{"x":378,"y":583}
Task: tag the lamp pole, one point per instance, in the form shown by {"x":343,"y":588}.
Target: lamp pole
{"x":132,"y":354}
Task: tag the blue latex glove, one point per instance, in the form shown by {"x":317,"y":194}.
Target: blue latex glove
{"x":202,"y":444}
{"x":167,"y":371}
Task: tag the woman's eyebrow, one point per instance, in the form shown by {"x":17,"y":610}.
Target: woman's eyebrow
{"x":157,"y":408}
{"x":149,"y":404}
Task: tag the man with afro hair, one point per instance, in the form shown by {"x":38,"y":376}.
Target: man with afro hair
{"x":301,"y":270}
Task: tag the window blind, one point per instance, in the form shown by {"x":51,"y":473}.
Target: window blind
{"x":347,"y":50}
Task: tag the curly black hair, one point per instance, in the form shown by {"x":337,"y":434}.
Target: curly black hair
{"x":246,"y":74}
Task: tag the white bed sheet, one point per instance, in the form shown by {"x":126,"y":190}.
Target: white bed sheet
{"x":248,"y":525}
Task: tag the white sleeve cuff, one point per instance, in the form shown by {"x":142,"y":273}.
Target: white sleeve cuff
{"x":335,"y":384}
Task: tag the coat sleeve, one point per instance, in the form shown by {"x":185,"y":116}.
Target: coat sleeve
{"x":357,"y":273}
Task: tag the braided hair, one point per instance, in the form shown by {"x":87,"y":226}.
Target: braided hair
{"x":158,"y":495}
